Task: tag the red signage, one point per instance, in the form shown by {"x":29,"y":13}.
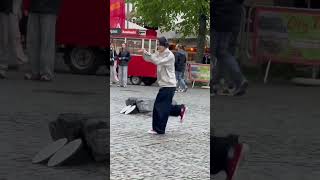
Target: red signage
{"x":117,"y":14}
{"x":127,"y":31}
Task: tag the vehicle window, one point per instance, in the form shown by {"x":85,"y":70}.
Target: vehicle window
{"x":153,"y":46}
{"x":134,"y":45}
{"x":117,"y":43}
{"x":146,"y":44}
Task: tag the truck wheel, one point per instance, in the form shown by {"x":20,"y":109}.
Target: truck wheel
{"x":149,"y":81}
{"x":82,"y":60}
{"x":135,"y":80}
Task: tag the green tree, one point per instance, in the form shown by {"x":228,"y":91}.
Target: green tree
{"x":164,"y":14}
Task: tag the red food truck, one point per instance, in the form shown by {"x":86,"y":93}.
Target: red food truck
{"x":138,"y":69}
{"x":82,"y":34}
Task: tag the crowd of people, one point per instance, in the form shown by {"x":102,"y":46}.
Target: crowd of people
{"x":35,"y":21}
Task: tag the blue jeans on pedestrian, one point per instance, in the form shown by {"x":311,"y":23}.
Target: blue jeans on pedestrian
{"x":226,"y":61}
{"x":180,"y":80}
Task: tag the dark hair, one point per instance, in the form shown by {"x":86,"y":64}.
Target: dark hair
{"x":163,"y":42}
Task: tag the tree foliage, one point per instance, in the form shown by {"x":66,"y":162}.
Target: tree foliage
{"x":164,"y":14}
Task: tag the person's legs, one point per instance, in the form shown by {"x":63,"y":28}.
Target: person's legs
{"x":125,"y":76}
{"x":218,"y":66}
{"x":232,"y":48}
{"x":233,"y":42}
{"x":48,"y":51}
{"x":183,"y":82}
{"x":162,"y":109}
{"x":12,"y":39}
{"x":16,"y":38}
{"x":115,"y":71}
{"x":111,"y":75}
{"x":178,"y":79}
{"x":4,"y":47}
{"x":121,"y":75}
{"x":33,"y":43}
{"x":225,"y":58}
{"x":175,"y":110}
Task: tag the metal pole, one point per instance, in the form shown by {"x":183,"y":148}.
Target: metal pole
{"x":127,"y":15}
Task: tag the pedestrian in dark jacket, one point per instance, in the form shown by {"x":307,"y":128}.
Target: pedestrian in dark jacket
{"x":41,"y":37}
{"x":6,"y":46}
{"x":226,"y":24}
{"x":180,"y":66}
{"x":124,"y":58}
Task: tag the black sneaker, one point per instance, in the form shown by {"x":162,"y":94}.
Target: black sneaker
{"x":226,"y":92}
{"x":3,"y":74}
{"x":242,"y":89}
{"x":214,"y":90}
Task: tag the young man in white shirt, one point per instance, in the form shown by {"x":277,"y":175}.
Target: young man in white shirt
{"x":163,"y":108}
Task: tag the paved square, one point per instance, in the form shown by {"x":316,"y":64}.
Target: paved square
{"x":280,"y":122}
{"x":26,"y":109}
{"x":183,"y":153}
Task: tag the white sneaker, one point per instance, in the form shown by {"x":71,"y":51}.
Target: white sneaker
{"x":129,"y":110}
{"x":125,"y":109}
{"x":151,"y":131}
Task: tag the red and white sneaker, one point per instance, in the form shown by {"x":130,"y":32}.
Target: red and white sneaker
{"x":183,"y":113}
{"x":151,"y":131}
{"x":237,"y":156}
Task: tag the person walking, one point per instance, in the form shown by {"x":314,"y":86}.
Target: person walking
{"x":124,"y":58}
{"x":180,"y":66}
{"x":163,"y":108}
{"x":227,"y":19}
{"x":113,"y":57}
{"x":41,"y":38}
{"x":7,"y":47}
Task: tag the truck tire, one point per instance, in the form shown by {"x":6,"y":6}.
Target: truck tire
{"x":148,"y":81}
{"x":135,"y":80}
{"x":82,"y":60}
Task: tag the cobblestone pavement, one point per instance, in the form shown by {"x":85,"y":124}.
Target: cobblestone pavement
{"x":26,"y":109}
{"x":183,"y":153}
{"x":281,"y":125}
